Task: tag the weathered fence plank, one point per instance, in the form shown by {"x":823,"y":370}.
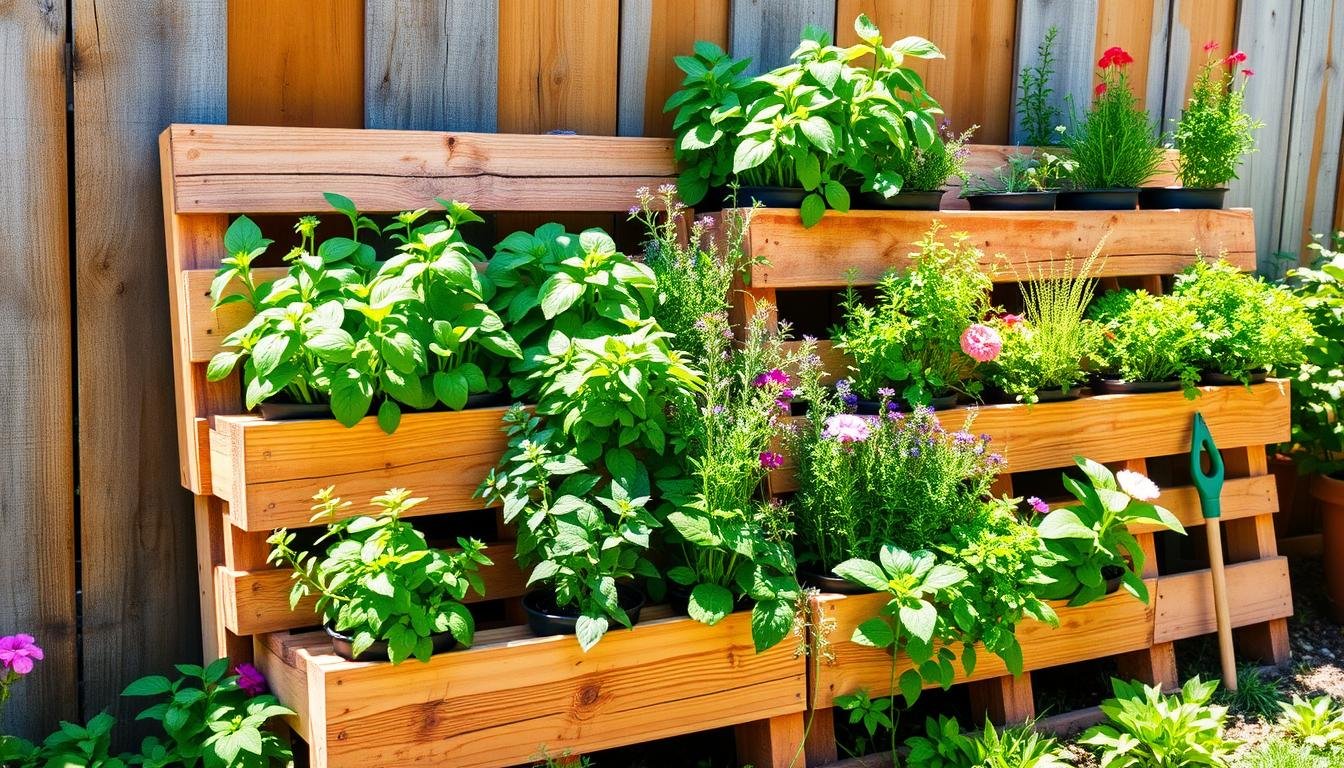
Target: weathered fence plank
{"x":1315,"y":126}
{"x":1076,"y":21}
{"x":557,"y":66}
{"x":652,"y":33}
{"x":768,"y":30}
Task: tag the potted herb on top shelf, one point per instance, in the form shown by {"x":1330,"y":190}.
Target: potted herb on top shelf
{"x":1024,"y":183}
{"x":709,"y":117}
{"x":924,"y":172}
{"x":1213,"y":134}
{"x":1114,"y":145}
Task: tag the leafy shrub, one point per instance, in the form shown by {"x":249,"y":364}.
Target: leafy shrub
{"x":926,"y":169}
{"x":1316,"y":723}
{"x":380,"y":580}
{"x":944,"y":745}
{"x":1145,"y":729}
{"x":1214,"y":130}
{"x":709,"y":117}
{"x":1318,"y":381}
{"x":1147,"y":338}
{"x":1114,"y":144}
{"x":1037,"y":116}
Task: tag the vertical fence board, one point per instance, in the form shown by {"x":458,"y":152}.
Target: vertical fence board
{"x":432,"y":65}
{"x":557,"y":66}
{"x":1074,"y":66}
{"x":1322,"y":68}
{"x":1307,"y":124}
{"x":975,"y":83}
{"x":1140,"y":28}
{"x":296,"y":63}
{"x":652,"y":32}
{"x":1193,"y":23}
{"x":767,"y":31}
{"x":139,"y":66}
{"x":37,"y":505}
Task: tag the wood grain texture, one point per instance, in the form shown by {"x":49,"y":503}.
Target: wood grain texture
{"x":499,"y":702}
{"x":1193,"y":23}
{"x":296,"y":63}
{"x":431,"y":65}
{"x":1316,"y":127}
{"x":138,"y":66}
{"x":1075,"y":65}
{"x":1139,"y":28}
{"x":652,"y":33}
{"x":37,"y":573}
{"x":862,"y":245}
{"x":767,"y":31}
{"x":1184,"y":602}
{"x":557,"y":65}
{"x":975,"y":83}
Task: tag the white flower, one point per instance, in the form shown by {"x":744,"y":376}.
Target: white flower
{"x":1137,"y":485}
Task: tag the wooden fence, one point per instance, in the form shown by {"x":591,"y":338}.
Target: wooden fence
{"x":96,"y":547}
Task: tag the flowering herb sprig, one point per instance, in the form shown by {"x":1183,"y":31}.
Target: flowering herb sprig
{"x":1114,"y":144}
{"x":1215,"y":131}
{"x":18,"y":657}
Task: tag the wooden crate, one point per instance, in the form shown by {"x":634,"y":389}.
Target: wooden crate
{"x":512,"y":696}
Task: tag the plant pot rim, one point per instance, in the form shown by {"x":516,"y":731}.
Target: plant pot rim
{"x":829,"y":583}
{"x":632,"y":604}
{"x":442,"y":642}
{"x":1328,"y":488}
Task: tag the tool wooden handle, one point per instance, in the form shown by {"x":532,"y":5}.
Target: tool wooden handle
{"x":1229,"y":662}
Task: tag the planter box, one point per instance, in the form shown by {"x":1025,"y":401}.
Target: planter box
{"x":512,"y":696}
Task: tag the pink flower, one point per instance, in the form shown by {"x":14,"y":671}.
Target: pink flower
{"x":1236,"y":57}
{"x":772,"y":376}
{"x":250,"y":679}
{"x":1009,"y":319}
{"x":1038,"y":506}
{"x":981,"y":343}
{"x":18,"y":652}
{"x":847,"y":428}
{"x":771,"y":460}
{"x":1137,"y":485}
{"x":1212,"y":45}
{"x":1248,"y":72}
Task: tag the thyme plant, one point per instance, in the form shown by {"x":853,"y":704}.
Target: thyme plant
{"x":1214,"y":130}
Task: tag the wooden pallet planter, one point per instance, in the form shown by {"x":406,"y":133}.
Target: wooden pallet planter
{"x":512,"y":697}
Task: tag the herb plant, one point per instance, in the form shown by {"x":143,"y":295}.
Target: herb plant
{"x":1146,"y":729}
{"x":912,"y":337}
{"x":1037,"y":116}
{"x":944,"y":745}
{"x":380,"y":580}
{"x":926,"y":169}
{"x":1147,"y":338}
{"x":1043,"y":172}
{"x":1114,"y":144}
{"x":1215,"y":131}
{"x":88,"y":746}
{"x":1318,"y":381}
{"x":1317,"y":723}
{"x":1091,"y":537}
{"x":710,"y":115}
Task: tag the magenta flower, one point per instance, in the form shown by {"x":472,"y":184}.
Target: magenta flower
{"x":1038,"y":506}
{"x":1009,"y":319}
{"x":771,"y":460}
{"x":981,"y":343}
{"x":18,"y":652}
{"x":847,"y":428}
{"x":250,"y":679}
{"x":772,"y":376}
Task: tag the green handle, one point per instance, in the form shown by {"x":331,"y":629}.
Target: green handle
{"x":1210,"y":484}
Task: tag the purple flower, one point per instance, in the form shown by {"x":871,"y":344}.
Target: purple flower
{"x":634,"y":210}
{"x":18,"y":652}
{"x":963,"y":438}
{"x":913,"y":452}
{"x":786,"y":394}
{"x":771,"y":460}
{"x":783,"y":406}
{"x":250,"y":679}
{"x":706,"y":221}
{"x":1038,"y":506}
{"x":846,"y":428}
{"x":886,"y":393}
{"x":716,"y":410}
{"x":772,"y":376}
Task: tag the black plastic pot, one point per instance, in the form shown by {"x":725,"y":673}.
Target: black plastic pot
{"x":1056,"y":395}
{"x":1216,"y":379}
{"x":929,"y":200}
{"x":344,"y":646}
{"x":868,"y":407}
{"x":289,"y":411}
{"x":488,"y":400}
{"x":1119,"y":387}
{"x":945,"y":402}
{"x":799,"y":407}
{"x":1098,"y":200}
{"x":832,"y":584}
{"x":1114,"y":576}
{"x":545,"y":618}
{"x":771,"y":197}
{"x":1012,"y":201}
{"x":1181,"y":197}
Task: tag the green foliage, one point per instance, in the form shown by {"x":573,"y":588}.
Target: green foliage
{"x":1024,"y":173}
{"x":1315,"y":723}
{"x":1256,"y":694}
{"x":1114,"y":144}
{"x":210,"y":721}
{"x":1244,"y":324}
{"x":1281,"y":753}
{"x":1091,"y":537}
{"x":1037,"y":116}
{"x":943,"y":745}
{"x":911,"y":338}
{"x":710,"y":116}
{"x":1145,"y":729}
{"x":874,"y":715}
{"x":1214,"y":131}
{"x":925,"y":169}
{"x":380,"y":580}
{"x":1147,"y":337}
{"x":1318,"y":381}
{"x":71,"y":745}
{"x":1052,"y":345}
{"x":344,"y":329}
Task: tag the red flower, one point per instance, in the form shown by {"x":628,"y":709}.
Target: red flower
{"x":1248,"y":72}
{"x":1100,"y":89}
{"x":1115,"y":56}
{"x":1212,"y":45}
{"x":1235,"y":58}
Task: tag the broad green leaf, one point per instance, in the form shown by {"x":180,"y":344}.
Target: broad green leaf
{"x":1063,"y":523}
{"x":590,"y":629}
{"x":242,"y":236}
{"x":558,"y":294}
{"x":874,"y":633}
{"x":154,"y":685}
{"x":863,"y":573}
{"x":451,"y":388}
{"x":920,"y":620}
{"x":813,"y":209}
{"x":221,"y":365}
{"x":710,"y":603}
{"x":389,"y":416}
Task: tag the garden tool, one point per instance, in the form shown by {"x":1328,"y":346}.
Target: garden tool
{"x":1210,"y":487}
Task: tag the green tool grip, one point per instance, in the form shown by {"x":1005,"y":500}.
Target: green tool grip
{"x":1208,"y":484}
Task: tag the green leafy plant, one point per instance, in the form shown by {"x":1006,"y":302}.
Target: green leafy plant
{"x":925,"y":169}
{"x":1051,"y":346}
{"x":1315,"y":723}
{"x":1146,"y":729}
{"x":379,"y":578}
{"x":1244,"y":324}
{"x":1147,"y":338}
{"x":944,"y":745}
{"x":1215,"y":131}
{"x":1041,"y":172}
{"x":1256,"y":695}
{"x":1318,"y":381}
{"x":1114,"y":144}
{"x":87,"y":746}
{"x":710,"y":115}
{"x":1090,"y":538}
{"x":912,"y":337}
{"x":1278,"y":752}
{"x":1037,"y":116}
{"x":211,"y":719}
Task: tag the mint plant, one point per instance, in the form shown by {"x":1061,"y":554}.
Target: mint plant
{"x":710,"y":115}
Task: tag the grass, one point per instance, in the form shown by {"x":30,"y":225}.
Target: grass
{"x":1256,"y":695}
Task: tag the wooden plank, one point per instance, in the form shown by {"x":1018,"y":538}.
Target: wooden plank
{"x":652,"y":33}
{"x":137,"y":67}
{"x":862,"y":245}
{"x":1184,"y":602}
{"x":1110,"y":428}
{"x":773,"y":743}
{"x":296,"y":63}
{"x":257,"y":601}
{"x":767,"y":32}
{"x":275,"y":466}
{"x":205,"y":328}
{"x":1077,"y":24}
{"x":558,"y":66}
{"x":1193,"y":23}
{"x":431,"y":65}
{"x":975,"y":83}
{"x":37,"y":576}
{"x":497,"y":703}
